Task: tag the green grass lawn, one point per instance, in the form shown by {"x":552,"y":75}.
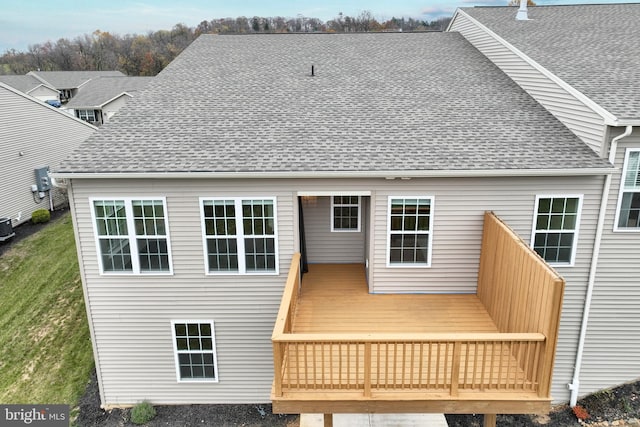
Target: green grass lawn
{"x":45,"y":348}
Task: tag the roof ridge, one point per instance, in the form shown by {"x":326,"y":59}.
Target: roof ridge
{"x":551,"y":5}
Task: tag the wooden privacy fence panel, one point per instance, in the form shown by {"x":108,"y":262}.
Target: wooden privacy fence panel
{"x":520,"y":291}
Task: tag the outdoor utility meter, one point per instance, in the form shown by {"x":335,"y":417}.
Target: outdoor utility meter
{"x":43,"y":181}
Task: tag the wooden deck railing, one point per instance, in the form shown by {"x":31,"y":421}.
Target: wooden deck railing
{"x":417,"y":362}
{"x":284,"y":321}
{"x":518,"y":290}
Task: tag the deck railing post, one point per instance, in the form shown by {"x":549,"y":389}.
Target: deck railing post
{"x":367,"y":369}
{"x":278,"y":365}
{"x":544,"y":374}
{"x":455,"y":368}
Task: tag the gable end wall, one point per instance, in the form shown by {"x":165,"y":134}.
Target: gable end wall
{"x":32,"y":136}
{"x":574,"y":114}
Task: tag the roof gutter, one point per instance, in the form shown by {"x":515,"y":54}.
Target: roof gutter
{"x":338,"y":174}
{"x":626,"y":122}
{"x":574,"y":386}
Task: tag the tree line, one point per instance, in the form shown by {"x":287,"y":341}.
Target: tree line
{"x":147,"y":55}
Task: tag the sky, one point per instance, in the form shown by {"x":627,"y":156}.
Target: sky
{"x":28,"y":22}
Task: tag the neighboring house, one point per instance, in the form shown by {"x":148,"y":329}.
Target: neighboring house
{"x":30,"y":143}
{"x":375,"y":156}
{"x":69,"y":82}
{"x":102,"y":97}
{"x":583,"y":65}
{"x":31,"y":86}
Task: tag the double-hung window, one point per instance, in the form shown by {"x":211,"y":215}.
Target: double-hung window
{"x":132,"y":235}
{"x":409,"y":233}
{"x":87,"y":115}
{"x":240,"y":235}
{"x":555,"y":228}
{"x":628,"y":212}
{"x":345,"y":213}
{"x":194,"y":345}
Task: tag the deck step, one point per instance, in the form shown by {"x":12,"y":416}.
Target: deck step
{"x":376,"y":420}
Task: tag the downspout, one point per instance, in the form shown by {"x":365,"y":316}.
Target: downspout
{"x":574,"y":386}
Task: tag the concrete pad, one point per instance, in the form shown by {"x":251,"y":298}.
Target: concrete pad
{"x":376,"y":420}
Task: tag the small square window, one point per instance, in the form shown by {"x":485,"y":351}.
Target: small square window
{"x":194,"y":347}
{"x":345,"y":213}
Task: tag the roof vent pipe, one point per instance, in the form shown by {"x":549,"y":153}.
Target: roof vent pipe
{"x":522,"y":12}
{"x":313,"y":73}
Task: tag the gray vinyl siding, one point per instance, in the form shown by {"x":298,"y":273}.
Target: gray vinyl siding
{"x":45,"y":137}
{"x":573,"y":113}
{"x":108,"y":110}
{"x":457,"y":230}
{"x":43,"y":93}
{"x":325,"y":246}
{"x":131,"y":315}
{"x":612,"y":350}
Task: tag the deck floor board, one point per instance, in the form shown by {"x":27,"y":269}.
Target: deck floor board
{"x":335,"y":298}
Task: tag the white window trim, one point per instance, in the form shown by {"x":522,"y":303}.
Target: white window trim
{"x":430,"y":232}
{"x":334,"y":193}
{"x":86,"y":117}
{"x":176,"y":352}
{"x":133,"y":243}
{"x":576,"y":231}
{"x":621,"y":192}
{"x":333,"y":229}
{"x":242,"y":270}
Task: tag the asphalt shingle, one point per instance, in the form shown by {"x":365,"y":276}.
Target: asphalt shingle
{"x":98,"y":91}
{"x":24,"y":84}
{"x":594,"y":48}
{"x":71,"y":79}
{"x":377,"y":102}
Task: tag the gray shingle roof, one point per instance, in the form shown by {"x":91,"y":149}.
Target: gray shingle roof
{"x":96,"y":92}
{"x":71,"y":79}
{"x":594,"y":48}
{"x":378,"y":102}
{"x":24,"y":83}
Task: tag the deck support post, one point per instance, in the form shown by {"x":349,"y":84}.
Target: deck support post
{"x":328,"y":420}
{"x":489,"y":420}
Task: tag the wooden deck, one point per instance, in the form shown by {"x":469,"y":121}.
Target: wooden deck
{"x":417,"y":342}
{"x":338,"y":348}
{"x":335,"y":298}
